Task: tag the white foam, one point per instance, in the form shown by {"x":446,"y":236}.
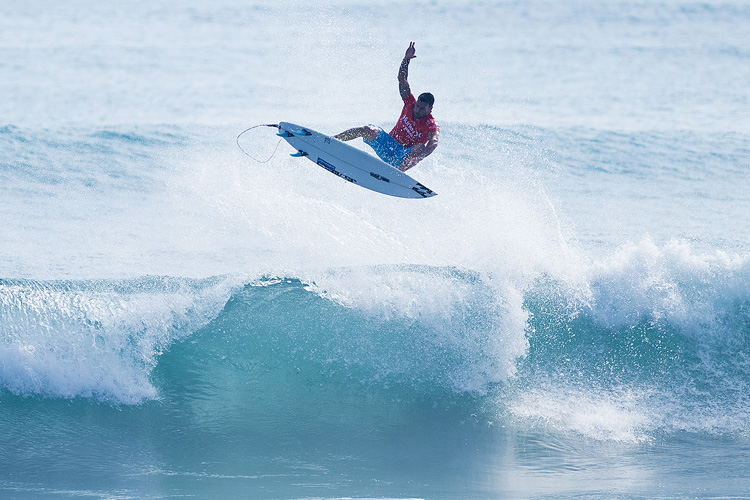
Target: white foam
{"x":619,"y":415}
{"x":672,"y":282}
{"x":96,"y":340}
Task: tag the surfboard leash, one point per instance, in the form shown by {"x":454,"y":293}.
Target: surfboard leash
{"x":273,"y":125}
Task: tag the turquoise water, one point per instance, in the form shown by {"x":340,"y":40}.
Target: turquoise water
{"x":567,"y":319}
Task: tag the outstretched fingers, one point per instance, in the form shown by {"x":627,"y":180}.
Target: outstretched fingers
{"x":411,"y":52}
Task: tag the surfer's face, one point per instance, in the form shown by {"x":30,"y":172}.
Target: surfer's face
{"x":421,"y":109}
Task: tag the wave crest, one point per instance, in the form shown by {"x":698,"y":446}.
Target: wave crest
{"x":97,"y":339}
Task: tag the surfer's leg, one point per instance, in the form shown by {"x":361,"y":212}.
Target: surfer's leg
{"x":368,"y":133}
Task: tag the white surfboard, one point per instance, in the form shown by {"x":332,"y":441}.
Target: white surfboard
{"x":351,"y":164}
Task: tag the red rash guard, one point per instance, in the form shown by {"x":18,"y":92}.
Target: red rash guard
{"x":409,"y":132}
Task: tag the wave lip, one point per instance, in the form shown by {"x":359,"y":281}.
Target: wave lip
{"x":97,"y":338}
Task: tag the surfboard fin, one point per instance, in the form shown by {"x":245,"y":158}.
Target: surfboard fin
{"x":301,"y":132}
{"x":298,"y":154}
{"x":285,"y":134}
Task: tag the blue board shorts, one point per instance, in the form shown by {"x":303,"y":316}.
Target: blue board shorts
{"x":388,"y":149}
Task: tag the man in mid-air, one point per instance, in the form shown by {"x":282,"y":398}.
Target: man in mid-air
{"x":416,"y":132}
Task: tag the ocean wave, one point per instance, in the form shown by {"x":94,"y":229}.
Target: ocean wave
{"x":651,"y":339}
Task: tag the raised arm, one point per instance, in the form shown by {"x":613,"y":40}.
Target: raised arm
{"x":403,"y":72}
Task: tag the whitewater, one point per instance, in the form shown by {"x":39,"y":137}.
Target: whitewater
{"x":568,"y":318}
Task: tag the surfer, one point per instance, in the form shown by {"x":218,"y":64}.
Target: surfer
{"x":416,"y":132}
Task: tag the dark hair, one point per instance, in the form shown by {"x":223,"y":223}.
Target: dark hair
{"x":427,"y":98}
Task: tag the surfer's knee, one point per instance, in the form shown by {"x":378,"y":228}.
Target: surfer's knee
{"x":369,"y":133}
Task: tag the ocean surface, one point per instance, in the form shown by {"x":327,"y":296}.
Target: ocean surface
{"x":568,"y":319}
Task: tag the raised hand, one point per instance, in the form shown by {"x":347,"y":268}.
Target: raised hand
{"x":410,"y":52}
